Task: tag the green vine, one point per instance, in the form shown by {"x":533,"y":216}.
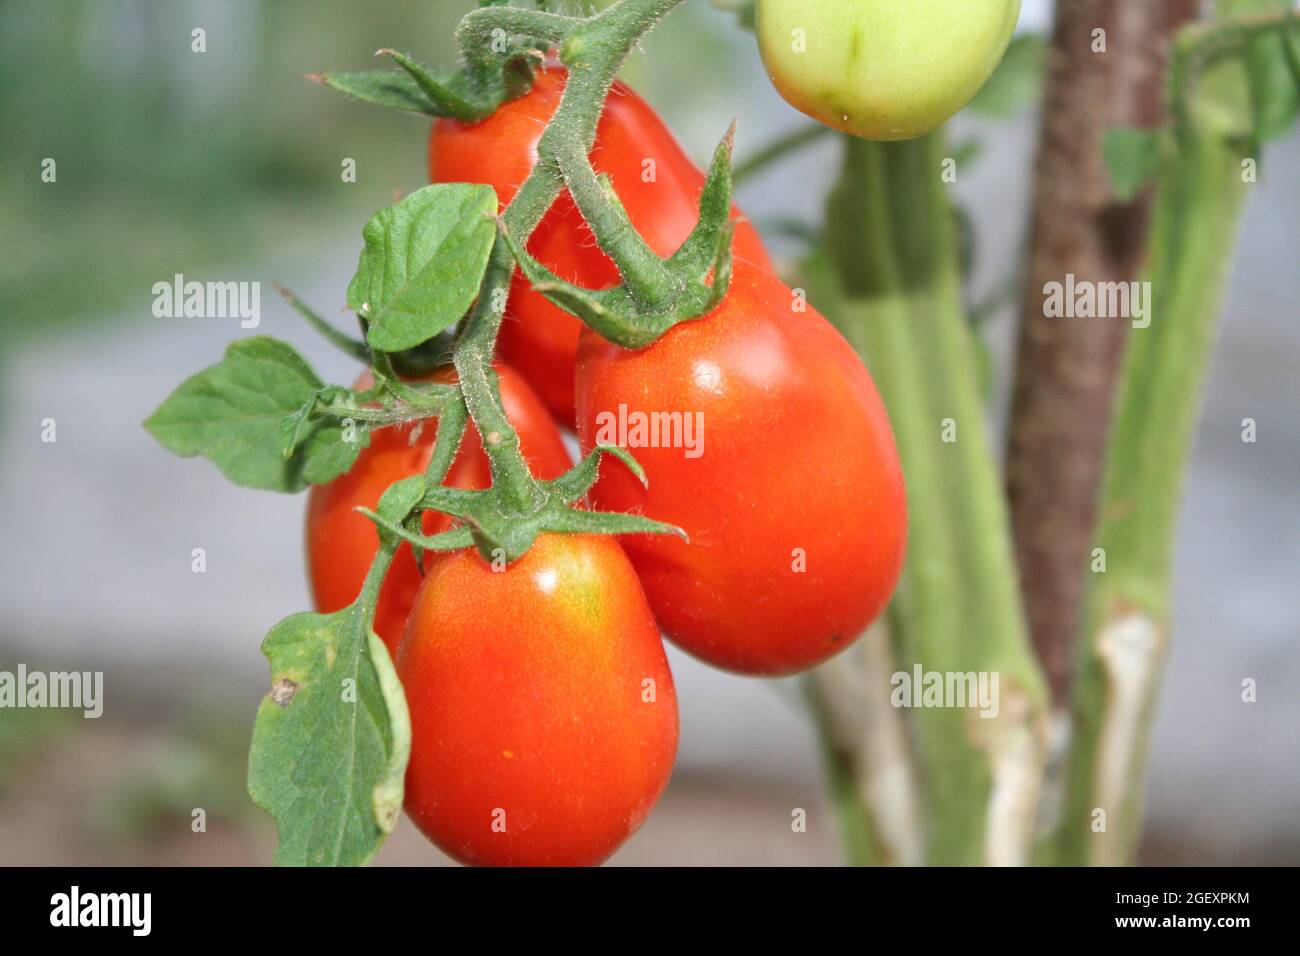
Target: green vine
{"x":436,"y":264}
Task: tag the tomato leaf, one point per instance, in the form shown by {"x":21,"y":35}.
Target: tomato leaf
{"x":422,"y":264}
{"x":392,"y":88}
{"x":577,"y":481}
{"x":233,"y":413}
{"x":330,"y":451}
{"x":443,"y":95}
{"x":331,"y":740}
{"x":417,"y":90}
{"x":1132,"y":157}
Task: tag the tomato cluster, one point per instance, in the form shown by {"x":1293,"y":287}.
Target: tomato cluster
{"x":544,"y":720}
{"x":658,"y":184}
{"x":341,"y":543}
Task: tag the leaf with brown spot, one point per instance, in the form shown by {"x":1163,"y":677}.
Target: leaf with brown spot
{"x":329,"y":770}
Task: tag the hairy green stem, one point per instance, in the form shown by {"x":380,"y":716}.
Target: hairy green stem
{"x":368,"y":600}
{"x":593,"y":50}
{"x":451,"y":429}
{"x":346,"y":344}
{"x":479,"y":28}
{"x":594,"y":54}
{"x":643,"y":271}
{"x":397,"y":413}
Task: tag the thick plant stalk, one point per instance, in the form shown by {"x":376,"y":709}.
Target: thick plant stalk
{"x":891,"y":247}
{"x":1066,"y":369}
{"x":1126,"y":622}
{"x":867,"y":754}
{"x":857,"y":833}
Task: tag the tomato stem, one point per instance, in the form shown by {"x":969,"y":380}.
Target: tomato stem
{"x":481,"y":31}
{"x":598,"y":47}
{"x":1201,"y":45}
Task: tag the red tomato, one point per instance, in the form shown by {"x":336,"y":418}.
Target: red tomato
{"x":793,"y":497}
{"x":632,"y":145}
{"x":341,"y":543}
{"x":543,"y":714}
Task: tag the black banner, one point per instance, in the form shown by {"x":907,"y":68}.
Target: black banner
{"x":290,"y":907}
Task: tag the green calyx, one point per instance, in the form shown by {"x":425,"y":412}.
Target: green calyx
{"x":499,"y":529}
{"x":501,"y":47}
{"x":655,"y":294}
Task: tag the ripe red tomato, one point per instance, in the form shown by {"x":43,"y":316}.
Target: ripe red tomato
{"x":793,"y":499}
{"x":632,"y":145}
{"x":543,"y":714}
{"x":341,"y":543}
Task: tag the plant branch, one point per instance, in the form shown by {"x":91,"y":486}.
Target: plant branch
{"x":840,"y":764}
{"x":1066,"y":368}
{"x":593,"y":49}
{"x":475,"y":33}
{"x":865,"y":739}
{"x":1126,"y":622}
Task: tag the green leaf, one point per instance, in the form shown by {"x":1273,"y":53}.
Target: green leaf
{"x":399,"y":499}
{"x":233,"y":414}
{"x":422,"y":264}
{"x":392,"y":88}
{"x":577,"y":481}
{"x":443,"y":95}
{"x":1132,"y":157}
{"x":331,"y":740}
{"x":1017,"y":83}
{"x":609,"y":522}
{"x":330,"y":450}
{"x":455,"y":539}
{"x":293,"y":428}
{"x":344,"y":343}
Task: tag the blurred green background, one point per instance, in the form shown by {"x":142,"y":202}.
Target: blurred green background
{"x":167,"y":155}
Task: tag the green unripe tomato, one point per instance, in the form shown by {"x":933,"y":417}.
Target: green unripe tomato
{"x":883,"y":69}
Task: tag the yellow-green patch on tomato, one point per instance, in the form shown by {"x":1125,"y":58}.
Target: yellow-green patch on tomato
{"x":883,"y":69}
